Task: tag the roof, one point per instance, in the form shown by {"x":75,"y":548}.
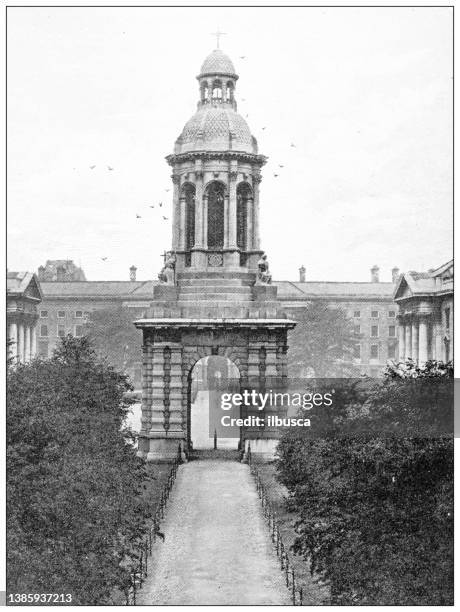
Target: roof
{"x":434,"y":282}
{"x":23,"y":284}
{"x":339,"y":290}
{"x":217,"y":62}
{"x":98,"y":289}
{"x":216,"y":129}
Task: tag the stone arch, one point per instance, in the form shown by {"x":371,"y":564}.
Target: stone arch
{"x":204,"y":91}
{"x":215,"y":194}
{"x":190,"y":391}
{"x":217,"y":89}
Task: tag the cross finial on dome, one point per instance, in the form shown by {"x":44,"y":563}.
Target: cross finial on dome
{"x":218,"y":34}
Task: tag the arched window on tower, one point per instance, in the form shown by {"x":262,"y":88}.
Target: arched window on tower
{"x":204,"y":91}
{"x":216,"y":194}
{"x":189,"y":195}
{"x":217,"y":90}
{"x":229,"y":96}
{"x":243,"y":193}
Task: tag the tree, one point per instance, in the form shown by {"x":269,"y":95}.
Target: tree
{"x":114,"y":336}
{"x":374,"y":493}
{"x":76,"y":512}
{"x":322,"y":342}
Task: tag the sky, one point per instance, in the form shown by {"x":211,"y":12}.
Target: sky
{"x":363,"y":94}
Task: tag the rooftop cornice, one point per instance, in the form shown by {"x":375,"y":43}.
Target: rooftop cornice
{"x":208,"y":155}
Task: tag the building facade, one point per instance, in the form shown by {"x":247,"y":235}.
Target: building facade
{"x":425,"y":302}
{"x":23,"y":298}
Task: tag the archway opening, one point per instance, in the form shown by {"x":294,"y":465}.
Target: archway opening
{"x":216,"y":195}
{"x":209,"y":378}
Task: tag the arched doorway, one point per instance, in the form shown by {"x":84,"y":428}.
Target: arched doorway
{"x":215,"y":194}
{"x":208,"y":379}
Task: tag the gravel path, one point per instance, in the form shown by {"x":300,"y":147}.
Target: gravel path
{"x":217,"y":548}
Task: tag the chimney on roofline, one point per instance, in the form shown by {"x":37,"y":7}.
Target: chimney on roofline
{"x":132,"y":273}
{"x":302,"y":274}
{"x":394,"y":274}
{"x":375,"y":274}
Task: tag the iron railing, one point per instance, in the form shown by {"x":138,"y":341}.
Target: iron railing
{"x":138,"y":576}
{"x":269,"y":514}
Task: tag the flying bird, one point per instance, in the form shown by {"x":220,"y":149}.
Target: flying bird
{"x":243,"y":99}
{"x":92,"y":167}
{"x":165,"y":218}
{"x":138,"y":217}
{"x":103,"y":258}
{"x":167,"y":190}
{"x":281,"y":165}
{"x":152,"y":206}
{"x":292,"y":145}
{"x":109,"y":168}
{"x":242,"y":57}
{"x":275,"y":175}
{"x":263,"y":128}
{"x":160,"y":204}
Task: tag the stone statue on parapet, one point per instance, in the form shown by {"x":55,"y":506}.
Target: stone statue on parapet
{"x":167,"y":274}
{"x":263,"y":277}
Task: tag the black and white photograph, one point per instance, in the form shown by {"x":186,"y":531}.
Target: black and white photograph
{"x":229,"y":308}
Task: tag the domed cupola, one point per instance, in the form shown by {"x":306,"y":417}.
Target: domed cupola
{"x":216,"y":126}
{"x":217,"y":63}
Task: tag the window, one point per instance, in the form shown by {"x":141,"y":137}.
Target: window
{"x":392,"y":331}
{"x":44,"y":330}
{"x":357,"y":314}
{"x":357,"y":351}
{"x":374,"y":331}
{"x":375,"y":314}
{"x":78,"y":314}
{"x":356,"y":329}
{"x":78,"y":331}
{"x":61,"y":314}
{"x":44,"y":314}
{"x":391,"y":351}
{"x":374,"y":351}
{"x":86,"y":315}
{"x":61,"y":331}
{"x":392,"y":314}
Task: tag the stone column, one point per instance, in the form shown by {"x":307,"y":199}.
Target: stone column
{"x":401,"y":339}
{"x":13,"y":336}
{"x":158,"y":383}
{"x":270,"y":362}
{"x":175,"y":388}
{"x":226,"y":221}
{"x":407,"y":343}
{"x":414,"y":334}
{"x":147,"y":366}
{"x":423,"y":340}
{"x":437,"y":337}
{"x":182,"y":224}
{"x":21,"y":343}
{"x":205,"y":221}
{"x":232,"y":206}
{"x":177,"y":219}
{"x":249,"y":221}
{"x":26,"y":343}
{"x":33,"y":346}
{"x":256,"y":239}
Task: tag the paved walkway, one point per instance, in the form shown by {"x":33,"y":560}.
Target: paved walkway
{"x":217,"y":548}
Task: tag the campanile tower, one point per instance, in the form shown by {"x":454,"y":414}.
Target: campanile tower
{"x":214,"y":295}
{"x":216,"y":176}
